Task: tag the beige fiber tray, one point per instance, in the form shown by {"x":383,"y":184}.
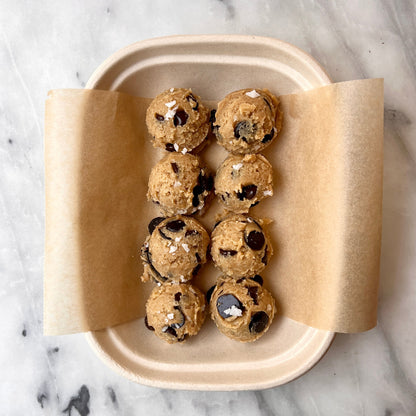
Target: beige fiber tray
{"x":212,"y":66}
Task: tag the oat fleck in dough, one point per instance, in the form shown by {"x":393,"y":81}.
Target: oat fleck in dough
{"x":242,"y":181}
{"x":175,"y":311}
{"x":175,"y":250}
{"x":242,"y":309}
{"x":177,"y":120}
{"x":240,"y":247}
{"x":179,"y":184}
{"x":247,"y":120}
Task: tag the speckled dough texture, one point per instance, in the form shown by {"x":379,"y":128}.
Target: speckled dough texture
{"x":179,"y":184}
{"x":242,"y":181}
{"x":240,"y":247}
{"x":242,"y":309}
{"x":175,"y":311}
{"x":177,"y":120}
{"x":247,"y":120}
{"x":175,"y":250}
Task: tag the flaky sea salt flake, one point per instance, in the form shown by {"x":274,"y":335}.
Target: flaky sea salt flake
{"x":253,"y":94}
{"x":185,"y":247}
{"x":238,"y":166}
{"x":233,"y":311}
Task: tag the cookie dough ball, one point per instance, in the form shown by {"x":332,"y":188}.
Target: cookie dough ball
{"x":240,"y":247}
{"x":175,"y":311}
{"x":177,"y":120}
{"x":242,"y":181}
{"x":175,"y":250}
{"x":179,"y":184}
{"x":247,"y":120}
{"x":242,"y":309}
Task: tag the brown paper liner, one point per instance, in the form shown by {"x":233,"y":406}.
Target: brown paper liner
{"x":326,"y":208}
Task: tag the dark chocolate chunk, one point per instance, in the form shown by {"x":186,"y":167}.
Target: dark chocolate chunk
{"x":255,"y":240}
{"x":193,"y":101}
{"x":257,"y":278}
{"x":267,"y":102}
{"x":163,"y":235}
{"x":247,"y":192}
{"x":146,"y":323}
{"x":195,"y":201}
{"x":223,"y":198}
{"x":268,"y":137}
{"x":196,"y":270}
{"x":198,"y":190}
{"x":209,"y":293}
{"x":169,"y":147}
{"x":154,"y":223}
{"x":227,"y":252}
{"x":174,"y":167}
{"x":258,"y":322}
{"x":181,"y":322}
{"x":207,"y":182}
{"x":226,"y":302}
{"x":241,"y":129}
{"x":212,"y":116}
{"x":159,"y":117}
{"x":191,"y":232}
{"x":175,"y":225}
{"x":169,"y":330}
{"x":253,"y":292}
{"x":254,"y":204}
{"x":178,"y":296}
{"x":180,"y":118}
{"x":198,"y":258}
{"x":240,"y":280}
{"x":155,"y":272}
{"x":264,"y":259}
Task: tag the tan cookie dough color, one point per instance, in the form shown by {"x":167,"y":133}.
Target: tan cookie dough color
{"x":179,"y":184}
{"x":247,"y":120}
{"x":242,"y":181}
{"x":175,"y":250}
{"x":177,"y":120}
{"x":240,"y":247}
{"x":242,"y":309}
{"x":175,"y":311}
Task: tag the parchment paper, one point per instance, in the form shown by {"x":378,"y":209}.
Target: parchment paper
{"x":326,"y":208}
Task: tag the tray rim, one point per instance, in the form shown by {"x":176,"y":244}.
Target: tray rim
{"x":91,"y":338}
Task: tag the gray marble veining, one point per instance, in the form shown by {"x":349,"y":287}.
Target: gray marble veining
{"x":45,"y":45}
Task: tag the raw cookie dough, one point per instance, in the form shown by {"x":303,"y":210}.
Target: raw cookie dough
{"x":179,"y":184}
{"x":175,"y":250}
{"x":241,"y":309}
{"x":247,"y":120}
{"x":242,"y":181}
{"x":175,"y":311}
{"x":177,"y":120}
{"x":240,"y":247}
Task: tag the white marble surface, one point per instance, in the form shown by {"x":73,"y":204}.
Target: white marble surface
{"x":51,"y":44}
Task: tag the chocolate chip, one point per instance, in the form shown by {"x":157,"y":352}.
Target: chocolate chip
{"x":195,"y":201}
{"x":146,"y":323}
{"x":207,"y":182}
{"x":178,"y":296}
{"x":240,"y":280}
{"x":198,"y":190}
{"x":193,"y":102}
{"x":258,"y":322}
{"x":163,"y":235}
{"x":196,"y":270}
{"x":268,"y":104}
{"x":169,"y":147}
{"x":180,"y":118}
{"x":174,"y":167}
{"x":227,"y":302}
{"x":264,"y":259}
{"x":189,"y":233}
{"x":209,"y":293}
{"x":247,"y":192}
{"x":227,"y":252}
{"x":255,"y":240}
{"x":154,"y":223}
{"x":253,"y":292}
{"x":175,"y":225}
{"x":169,"y":330}
{"x":257,"y":278}
{"x":180,"y":324}
{"x":212,"y":116}
{"x":240,"y":128}
{"x":159,"y":117}
{"x":268,"y":137}
{"x":158,"y":277}
{"x":223,"y":198}
{"x":198,"y":258}
{"x":254,"y":204}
